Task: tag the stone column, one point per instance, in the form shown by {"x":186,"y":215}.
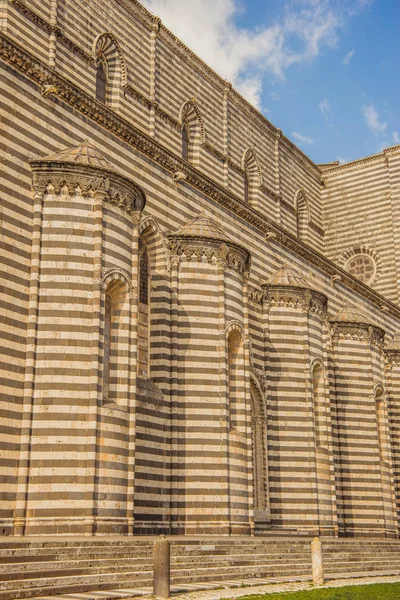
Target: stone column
{"x":278,"y":136}
{"x":153,"y":66}
{"x":356,"y":373}
{"x":53,"y":34}
{"x":25,"y":442}
{"x":176,"y":408}
{"x":293,"y":486}
{"x":134,"y":299}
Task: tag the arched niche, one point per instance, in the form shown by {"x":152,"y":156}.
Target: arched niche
{"x":111,"y":73}
{"x":252,"y":177}
{"x":193,"y":131}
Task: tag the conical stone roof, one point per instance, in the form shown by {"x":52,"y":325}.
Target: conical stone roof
{"x":350,"y":315}
{"x":288,"y":277}
{"x":395,"y":343}
{"x":85,"y":154}
{"x":203,"y":227}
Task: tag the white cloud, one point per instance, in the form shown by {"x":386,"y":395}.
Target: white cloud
{"x":325,"y":107}
{"x":371,"y":116}
{"x":275,"y":97}
{"x":302,"y":139}
{"x":342,"y":161}
{"x":348,"y":57}
{"x":244,"y":56}
{"x":396,"y":137}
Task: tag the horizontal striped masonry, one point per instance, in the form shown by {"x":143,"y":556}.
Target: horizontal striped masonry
{"x":199,"y":326}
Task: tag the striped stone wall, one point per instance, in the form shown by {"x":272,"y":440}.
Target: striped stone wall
{"x":361,"y":215}
{"x":215,"y":407}
{"x":157,"y":75}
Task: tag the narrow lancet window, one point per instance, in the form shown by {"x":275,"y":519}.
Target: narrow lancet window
{"x":115,"y":344}
{"x":144,"y":314}
{"x":235,"y":365}
{"x":246,"y":187}
{"x":101,"y":83}
{"x":185,"y":143}
{"x":107,"y":348}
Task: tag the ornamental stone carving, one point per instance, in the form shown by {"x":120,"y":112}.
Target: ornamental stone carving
{"x":203,"y":240}
{"x":84,"y":170}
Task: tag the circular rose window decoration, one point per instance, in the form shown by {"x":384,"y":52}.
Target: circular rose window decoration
{"x":362,"y":266}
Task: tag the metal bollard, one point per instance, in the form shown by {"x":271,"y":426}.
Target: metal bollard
{"x":317,"y":564}
{"x":161,"y":575}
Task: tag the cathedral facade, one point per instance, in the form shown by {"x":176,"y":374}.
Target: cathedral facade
{"x":199,"y":325}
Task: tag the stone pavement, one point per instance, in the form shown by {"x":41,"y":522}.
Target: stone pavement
{"x":228,"y":594}
{"x":227,"y":590}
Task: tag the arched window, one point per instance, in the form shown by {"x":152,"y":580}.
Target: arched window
{"x":381,"y":422}
{"x":235,"y":378}
{"x":185,"y":142}
{"x":246,"y":188}
{"x":319,"y":406}
{"x":303,"y":215}
{"x":252,"y":177}
{"x":115,"y":344}
{"x":111,"y":74}
{"x":144,"y":313}
{"x":389,"y":508}
{"x":260,"y":462}
{"x":101,"y":83}
{"x":193,"y":135}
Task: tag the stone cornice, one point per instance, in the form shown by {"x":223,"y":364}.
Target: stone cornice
{"x":115,"y":188}
{"x":63,"y":89}
{"x":372,"y":334}
{"x":151,"y":21}
{"x":359,"y":163}
{"x":199,"y":249}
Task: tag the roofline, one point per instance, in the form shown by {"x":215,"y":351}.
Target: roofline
{"x":360,"y":161}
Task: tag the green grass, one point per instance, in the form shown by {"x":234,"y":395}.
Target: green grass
{"x":380,"y":591}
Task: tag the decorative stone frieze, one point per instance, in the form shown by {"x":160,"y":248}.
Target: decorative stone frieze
{"x":85,"y":170}
{"x":352,"y":324}
{"x":202,"y":240}
{"x":288,"y":288}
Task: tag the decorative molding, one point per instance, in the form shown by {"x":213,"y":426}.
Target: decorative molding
{"x":33,"y":68}
{"x":288,"y":207}
{"x":100,"y":47}
{"x":270,"y":193}
{"x":300,"y":298}
{"x":193,"y":249}
{"x":41,"y":22}
{"x":363,"y":332}
{"x":392,"y":357}
{"x":168,"y":119}
{"x":255,"y":295}
{"x":362,"y":250}
{"x":67,"y":177}
{"x":360,"y":162}
{"x":113,"y":274}
{"x":234,"y":326}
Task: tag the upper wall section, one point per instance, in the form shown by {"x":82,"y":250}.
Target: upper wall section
{"x":154,"y":76}
{"x":361,"y":203}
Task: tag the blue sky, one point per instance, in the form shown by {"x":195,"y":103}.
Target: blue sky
{"x":327,"y":72}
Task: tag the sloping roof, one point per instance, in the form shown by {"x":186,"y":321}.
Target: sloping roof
{"x":395,"y":343}
{"x":286,"y":276}
{"x":85,"y":154}
{"x":350,"y":315}
{"x":204,"y":227}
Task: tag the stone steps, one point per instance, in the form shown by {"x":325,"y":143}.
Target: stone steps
{"x":32,"y":569}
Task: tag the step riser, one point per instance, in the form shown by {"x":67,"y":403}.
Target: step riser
{"x":53,"y":568}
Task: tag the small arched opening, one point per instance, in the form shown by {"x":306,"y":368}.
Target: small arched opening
{"x":116,"y":344}
{"x":252,"y":177}
{"x":302,"y":215}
